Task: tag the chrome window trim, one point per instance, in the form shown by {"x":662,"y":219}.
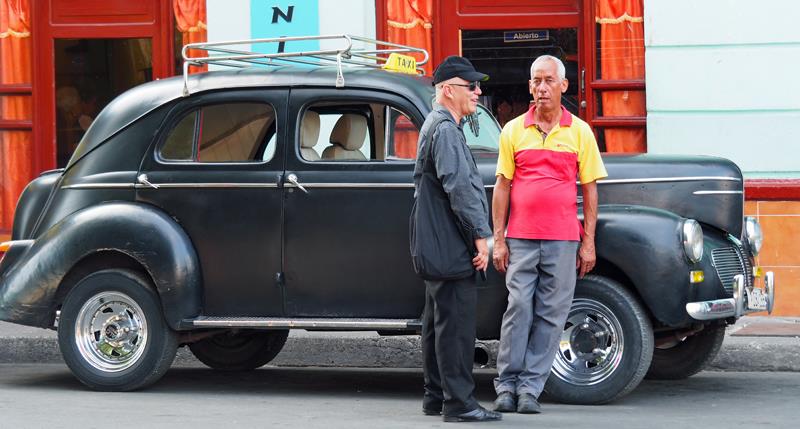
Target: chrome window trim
{"x":716,"y":192}
{"x":659,"y":180}
{"x":209,"y":185}
{"x":384,"y":161}
{"x":353,"y":185}
{"x":100,"y":186}
{"x":238,"y":185}
{"x":668,"y":179}
{"x":169,"y":185}
{"x":392,"y":185}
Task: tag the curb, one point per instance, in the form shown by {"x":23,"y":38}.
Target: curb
{"x":745,"y":354}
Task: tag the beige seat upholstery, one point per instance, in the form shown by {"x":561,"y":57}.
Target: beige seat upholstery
{"x":309,"y":135}
{"x":347,"y":138}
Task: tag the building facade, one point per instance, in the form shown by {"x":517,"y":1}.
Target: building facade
{"x":649,"y":76}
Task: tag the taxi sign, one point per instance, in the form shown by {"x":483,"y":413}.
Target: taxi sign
{"x":401,"y":63}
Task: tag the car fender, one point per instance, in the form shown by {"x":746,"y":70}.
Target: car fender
{"x":139,"y":231}
{"x":646,"y":245}
{"x":31,"y":202}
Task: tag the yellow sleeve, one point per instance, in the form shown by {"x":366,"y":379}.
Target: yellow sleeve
{"x":590,"y":164}
{"x":505,"y":157}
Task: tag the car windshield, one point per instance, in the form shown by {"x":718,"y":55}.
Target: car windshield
{"x":488,"y":136}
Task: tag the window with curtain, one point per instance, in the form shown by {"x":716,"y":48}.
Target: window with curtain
{"x":409,"y":23}
{"x":619,"y":84}
{"x":190,"y":27}
{"x":16,"y":150}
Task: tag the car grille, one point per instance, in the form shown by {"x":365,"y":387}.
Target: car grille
{"x":730,"y":261}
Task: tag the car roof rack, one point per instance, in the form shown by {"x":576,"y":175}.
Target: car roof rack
{"x":375,"y":54}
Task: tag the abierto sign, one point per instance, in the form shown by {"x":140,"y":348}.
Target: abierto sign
{"x":525,"y":36}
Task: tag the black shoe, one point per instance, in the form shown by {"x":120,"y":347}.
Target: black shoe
{"x":431,"y":411}
{"x":479,"y":414}
{"x":506,"y":402}
{"x":527,"y":404}
{"x":431,"y":405}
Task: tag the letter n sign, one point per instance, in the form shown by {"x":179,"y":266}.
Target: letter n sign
{"x":278,"y":13}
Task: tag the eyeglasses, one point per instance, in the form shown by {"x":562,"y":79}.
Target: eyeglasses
{"x":472,"y":86}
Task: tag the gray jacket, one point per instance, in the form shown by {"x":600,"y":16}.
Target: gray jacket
{"x":456,"y":170}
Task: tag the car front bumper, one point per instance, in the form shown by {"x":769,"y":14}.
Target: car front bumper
{"x":745,"y":300}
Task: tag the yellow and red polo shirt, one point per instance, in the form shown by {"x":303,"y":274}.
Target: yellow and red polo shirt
{"x":543,"y":172}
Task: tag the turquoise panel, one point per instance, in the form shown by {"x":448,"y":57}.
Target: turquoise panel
{"x":284,"y":18}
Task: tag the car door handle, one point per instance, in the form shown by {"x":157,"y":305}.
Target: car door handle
{"x":292,"y":178}
{"x":142,"y":178}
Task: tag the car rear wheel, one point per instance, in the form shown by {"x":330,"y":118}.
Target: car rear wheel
{"x":112,"y":333}
{"x":606,"y":345}
{"x":239,"y":350}
{"x":687,"y":357}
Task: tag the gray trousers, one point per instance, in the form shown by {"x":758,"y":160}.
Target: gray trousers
{"x":541,"y":282}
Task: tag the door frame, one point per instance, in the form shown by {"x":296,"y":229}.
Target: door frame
{"x":449,"y":21}
{"x":95,"y":21}
{"x":450,"y":17}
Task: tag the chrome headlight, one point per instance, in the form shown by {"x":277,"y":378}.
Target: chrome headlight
{"x":692,"y":240}
{"x":753,"y":234}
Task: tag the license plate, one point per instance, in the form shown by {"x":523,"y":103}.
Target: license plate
{"x":756,"y":299}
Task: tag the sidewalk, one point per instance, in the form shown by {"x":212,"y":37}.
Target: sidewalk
{"x":752,"y":344}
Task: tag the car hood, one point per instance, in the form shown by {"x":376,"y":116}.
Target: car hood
{"x":708,"y":189}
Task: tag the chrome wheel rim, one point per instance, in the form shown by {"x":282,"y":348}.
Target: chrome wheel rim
{"x":591,"y":345}
{"x":111,"y":332}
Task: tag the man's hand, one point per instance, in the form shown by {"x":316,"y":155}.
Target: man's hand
{"x":586,"y":257}
{"x":481,"y":260}
{"x":500,"y":256}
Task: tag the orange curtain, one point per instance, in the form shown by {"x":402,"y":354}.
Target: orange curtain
{"x":409,"y":23}
{"x":16,"y":150}
{"x":622,"y":58}
{"x":190,"y":16}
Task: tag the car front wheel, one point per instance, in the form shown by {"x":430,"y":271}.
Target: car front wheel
{"x":606,"y":345}
{"x":112,"y":333}
{"x":687,"y":357}
{"x":239,"y":350}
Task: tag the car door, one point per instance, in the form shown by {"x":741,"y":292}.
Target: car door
{"x":215,"y":168}
{"x":346,"y":251}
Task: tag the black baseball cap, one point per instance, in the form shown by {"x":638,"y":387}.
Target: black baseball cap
{"x":455,"y":66}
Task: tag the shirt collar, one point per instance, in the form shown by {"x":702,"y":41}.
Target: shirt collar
{"x":566,"y":117}
{"x":439,"y":108}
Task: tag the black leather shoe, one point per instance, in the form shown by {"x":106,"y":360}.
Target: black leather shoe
{"x":479,"y":414}
{"x":431,"y":411}
{"x":527,"y":404}
{"x":431,"y":405}
{"x":506,"y":402}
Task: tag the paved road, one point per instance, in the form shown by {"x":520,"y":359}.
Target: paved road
{"x":46,"y":395}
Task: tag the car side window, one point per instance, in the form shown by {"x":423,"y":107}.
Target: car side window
{"x":227,"y":132}
{"x":402,"y":136}
{"x":356,"y":132}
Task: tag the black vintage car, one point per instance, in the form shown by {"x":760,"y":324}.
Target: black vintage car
{"x":222,"y":211}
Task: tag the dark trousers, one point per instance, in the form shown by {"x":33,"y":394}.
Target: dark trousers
{"x":448,"y":344}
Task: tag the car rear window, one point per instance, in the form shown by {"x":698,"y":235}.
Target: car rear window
{"x":228,"y":132}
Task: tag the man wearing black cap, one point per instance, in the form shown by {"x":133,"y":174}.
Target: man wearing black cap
{"x":449,"y":226}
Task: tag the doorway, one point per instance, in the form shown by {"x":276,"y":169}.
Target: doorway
{"x":89,"y":73}
{"x":85,"y":54}
{"x":506,"y":56}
